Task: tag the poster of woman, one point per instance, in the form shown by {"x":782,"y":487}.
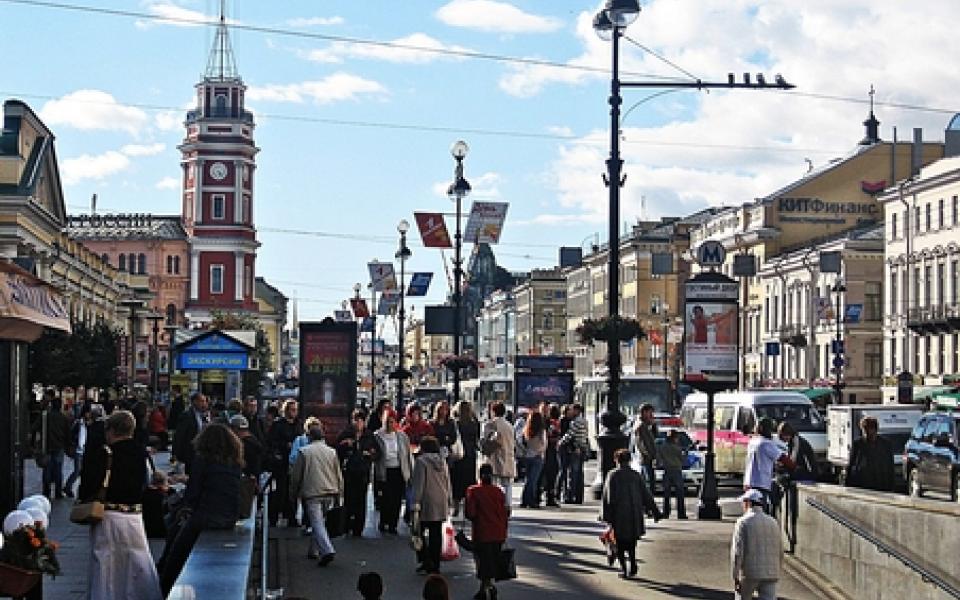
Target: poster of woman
{"x":712,"y":341}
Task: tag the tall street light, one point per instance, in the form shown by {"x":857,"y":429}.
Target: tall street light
{"x":132,"y":305}
{"x":457,"y":191}
{"x":838,"y":351}
{"x":155,"y":319}
{"x":403,"y":253}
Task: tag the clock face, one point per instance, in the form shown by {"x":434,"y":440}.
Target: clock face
{"x":218,"y":171}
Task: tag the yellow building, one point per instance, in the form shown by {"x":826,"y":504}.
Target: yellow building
{"x":272,"y":315}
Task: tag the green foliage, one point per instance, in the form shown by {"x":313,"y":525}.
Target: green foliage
{"x":87,"y":357}
{"x":610,"y":328}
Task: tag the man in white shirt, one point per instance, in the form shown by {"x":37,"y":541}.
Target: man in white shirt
{"x":756,"y":551}
{"x":763,"y":453}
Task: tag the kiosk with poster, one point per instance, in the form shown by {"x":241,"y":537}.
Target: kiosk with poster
{"x":539,"y":378}
{"x":328,"y":373}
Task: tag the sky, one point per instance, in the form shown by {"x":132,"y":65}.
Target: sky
{"x":355,"y":136}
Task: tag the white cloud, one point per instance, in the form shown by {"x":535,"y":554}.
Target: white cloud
{"x":168,"y":13}
{"x":168,"y":183}
{"x":415,"y":48}
{"x":168,"y":120}
{"x":484,"y":187}
{"x":143,"y":149}
{"x":315,"y":21}
{"x":333,"y":88}
{"x":93,"y":110}
{"x":493,"y":16}
{"x":561,"y":130}
{"x":86,"y":166}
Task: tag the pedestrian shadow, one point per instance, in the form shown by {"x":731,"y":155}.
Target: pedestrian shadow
{"x":684,"y":590}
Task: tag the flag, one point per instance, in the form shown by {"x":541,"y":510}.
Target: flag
{"x":359,"y":306}
{"x":419,"y":284}
{"x":388,"y":302}
{"x":382,"y":276}
{"x":433,"y":230}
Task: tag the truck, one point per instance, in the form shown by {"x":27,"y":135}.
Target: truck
{"x":896,"y":421}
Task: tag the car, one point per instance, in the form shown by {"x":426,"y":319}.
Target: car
{"x":693,"y":461}
{"x":931,"y":457}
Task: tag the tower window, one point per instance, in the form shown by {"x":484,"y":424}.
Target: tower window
{"x":176,"y":265}
{"x":216,"y":279}
{"x":142,"y":264}
{"x":220,"y":106}
{"x":169,"y":265}
{"x":132,"y":263}
{"x":218,"y":206}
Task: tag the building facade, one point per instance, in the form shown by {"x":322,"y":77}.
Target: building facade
{"x":541,"y":303}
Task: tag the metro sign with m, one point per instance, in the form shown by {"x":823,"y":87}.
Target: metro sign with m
{"x":711,"y":254}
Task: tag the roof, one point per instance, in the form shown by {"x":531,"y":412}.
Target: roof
{"x":817,"y":172}
{"x":125,"y":227}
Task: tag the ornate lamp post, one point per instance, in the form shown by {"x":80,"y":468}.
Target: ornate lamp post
{"x":155,"y":319}
{"x":838,"y":351}
{"x":457,"y":191}
{"x":403,"y":253}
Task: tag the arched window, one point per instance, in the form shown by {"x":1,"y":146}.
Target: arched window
{"x":220,"y":109}
{"x":176,"y":265}
{"x":122,"y":262}
{"x":169,"y":265}
{"x":171,"y":314}
{"x":132,"y":263}
{"x":105,"y":258}
{"x":142,"y":264}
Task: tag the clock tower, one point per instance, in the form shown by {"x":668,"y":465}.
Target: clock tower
{"x":218,"y":162}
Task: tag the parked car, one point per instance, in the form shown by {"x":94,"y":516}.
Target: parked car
{"x":931,"y":458}
{"x":693,"y":463}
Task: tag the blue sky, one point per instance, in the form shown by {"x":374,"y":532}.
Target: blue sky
{"x":114,"y":90}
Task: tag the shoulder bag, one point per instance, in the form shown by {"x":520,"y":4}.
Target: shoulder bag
{"x":91,"y":513}
{"x":456,"y":449}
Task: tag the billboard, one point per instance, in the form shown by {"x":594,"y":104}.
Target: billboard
{"x":711,"y":325}
{"x":485,"y":222}
{"x":328,"y":373}
{"x":433,"y":230}
{"x":532,"y":389}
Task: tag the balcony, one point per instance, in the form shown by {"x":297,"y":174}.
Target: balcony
{"x":939,"y":318}
{"x":795,"y":335}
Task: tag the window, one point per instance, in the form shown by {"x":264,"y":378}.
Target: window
{"x":247,"y":281}
{"x":893,"y":227}
{"x":216,"y":279}
{"x":105,"y":258}
{"x":132,"y":263}
{"x":218,"y":206}
{"x":122,"y":262}
{"x":916,"y":219}
{"x":916,"y":289}
{"x":548,"y":319}
{"x":873,"y":360}
{"x":169,"y":265}
{"x":221,"y":106}
{"x":905,"y":341}
{"x":893,"y":355}
{"x":142,"y":264}
{"x":956,"y":211}
{"x":940,"y":220}
{"x":916,"y":354}
{"x":928,"y":346}
{"x":942,"y":352}
{"x":956,"y":353}
{"x":906,"y":222}
{"x":766,"y":313}
{"x":941,"y":282}
{"x":927,"y":285}
{"x":894,"y":309}
{"x":176,"y":265}
{"x":872,"y":308}
{"x":954,"y":280}
{"x":929,"y":220}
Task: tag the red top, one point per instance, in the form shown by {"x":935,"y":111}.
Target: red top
{"x":416,"y":431}
{"x":157,"y":421}
{"x":485,"y":507}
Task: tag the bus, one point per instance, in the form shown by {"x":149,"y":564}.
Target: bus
{"x":635,"y":391}
{"x":425,"y":395}
{"x":481,"y":392}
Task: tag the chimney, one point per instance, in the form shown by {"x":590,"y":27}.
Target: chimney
{"x":951,"y":137}
{"x":916,"y":154}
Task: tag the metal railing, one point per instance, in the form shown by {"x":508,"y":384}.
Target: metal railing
{"x":263,"y":501}
{"x":925,"y":574}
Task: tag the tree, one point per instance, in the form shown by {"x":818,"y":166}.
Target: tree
{"x":223,"y":321}
{"x":85,"y":357}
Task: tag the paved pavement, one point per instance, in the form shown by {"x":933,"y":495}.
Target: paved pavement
{"x":558,"y":552}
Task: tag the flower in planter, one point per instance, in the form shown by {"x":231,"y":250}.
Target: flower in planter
{"x":29,"y":548}
{"x":456,"y":363}
{"x":609,"y":329}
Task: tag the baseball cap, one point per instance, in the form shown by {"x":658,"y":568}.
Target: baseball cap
{"x":239,"y":422}
{"x":753,"y":496}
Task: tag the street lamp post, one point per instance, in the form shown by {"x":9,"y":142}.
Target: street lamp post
{"x":457,"y":191}
{"x":403,"y":253}
{"x":373,"y":345}
{"x":838,"y":351}
{"x":132,"y":305}
{"x":155,"y":318}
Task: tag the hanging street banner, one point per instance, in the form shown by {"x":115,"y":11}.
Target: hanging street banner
{"x":419,"y":284}
{"x":485,"y":222}
{"x":359,"y":306}
{"x":382,"y":276}
{"x":433,"y":230}
{"x":388,"y":302}
{"x":367,"y":324}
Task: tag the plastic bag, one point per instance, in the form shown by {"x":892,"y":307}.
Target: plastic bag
{"x":449,"y":550}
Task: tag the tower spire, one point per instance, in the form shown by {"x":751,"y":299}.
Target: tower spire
{"x":220,"y":64}
{"x":872,"y":124}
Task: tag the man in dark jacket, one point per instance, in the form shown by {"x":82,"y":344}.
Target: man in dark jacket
{"x":191,"y":422}
{"x":871,"y":460}
{"x":280,"y":440}
{"x":56,"y":427}
{"x":647,"y":442}
{"x":357,"y":449}
{"x":251,"y":413}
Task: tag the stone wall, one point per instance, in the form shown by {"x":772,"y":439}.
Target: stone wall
{"x":927,"y":531}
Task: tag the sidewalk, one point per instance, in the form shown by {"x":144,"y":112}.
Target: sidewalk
{"x":557,"y":552}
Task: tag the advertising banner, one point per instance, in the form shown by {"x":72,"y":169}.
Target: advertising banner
{"x":419,"y":284}
{"x":382,"y":276}
{"x":433,"y":230}
{"x":359,"y":306}
{"x":388,"y":302}
{"x":328,"y":373}
{"x":367,"y":324}
{"x":711,"y":321}
{"x":532,"y":389}
{"x":485,"y":222}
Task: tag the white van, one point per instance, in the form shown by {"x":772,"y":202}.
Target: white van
{"x":736,"y":415}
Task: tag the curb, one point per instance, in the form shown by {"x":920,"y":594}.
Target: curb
{"x":812,"y":578}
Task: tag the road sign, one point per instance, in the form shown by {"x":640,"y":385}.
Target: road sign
{"x":837,"y":346}
{"x":773,"y":349}
{"x":853,"y":313}
{"x":711,"y":254}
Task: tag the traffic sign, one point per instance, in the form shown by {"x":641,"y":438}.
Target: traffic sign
{"x":773,"y":349}
{"x":838,"y":361}
{"x":711,"y":254}
{"x":837,"y":346}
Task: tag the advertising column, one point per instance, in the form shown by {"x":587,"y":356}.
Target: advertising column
{"x":328,"y":373}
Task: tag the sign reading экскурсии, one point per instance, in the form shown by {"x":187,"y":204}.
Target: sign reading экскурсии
{"x":815,"y":210}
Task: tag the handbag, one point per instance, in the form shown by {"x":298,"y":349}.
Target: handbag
{"x":506,"y":566}
{"x":334,"y":521}
{"x":456,"y":450}
{"x":91,"y":513}
{"x":490,"y":444}
{"x":449,"y":550}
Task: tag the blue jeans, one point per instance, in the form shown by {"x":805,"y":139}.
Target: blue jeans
{"x":574,"y":491}
{"x":530,"y":487}
{"x":673,"y":486}
{"x":316,"y":509}
{"x":77,"y":463}
{"x":53,"y":473}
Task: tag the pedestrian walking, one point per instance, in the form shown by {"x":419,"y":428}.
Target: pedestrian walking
{"x":157,"y":427}
{"x":551,"y":459}
{"x":499,"y":441}
{"x":444,"y":428}
{"x":357,"y":451}
{"x":871,"y":459}
{"x":463,"y":472}
{"x":486,"y":509}
{"x":671,"y":458}
{"x":283,"y":432}
{"x":756,"y":550}
{"x":190,"y":423}
{"x":415,"y":426}
{"x":646,"y":443}
{"x":576,"y":444}
{"x":534,"y":449}
{"x":394,"y":468}
{"x":432,"y":500}
{"x":763,"y":454}
{"x":121,"y":566}
{"x":563,"y":452}
{"x":317,"y":480}
{"x":625,"y":500}
{"x":54,"y":429}
{"x":78,"y":444}
{"x":251,"y":412}
{"x":211,"y":500}
{"x":177,"y":406}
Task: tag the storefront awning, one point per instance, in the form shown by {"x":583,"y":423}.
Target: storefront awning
{"x":922,"y":393}
{"x":27,"y":305}
{"x":817,"y":392}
